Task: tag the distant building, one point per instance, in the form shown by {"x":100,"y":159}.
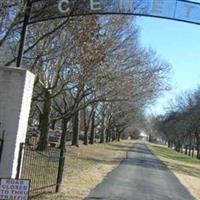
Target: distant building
{"x":143,"y":136}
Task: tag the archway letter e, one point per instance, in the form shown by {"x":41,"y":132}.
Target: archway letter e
{"x":95,"y":5}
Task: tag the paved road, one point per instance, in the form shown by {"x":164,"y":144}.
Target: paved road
{"x":142,"y":176}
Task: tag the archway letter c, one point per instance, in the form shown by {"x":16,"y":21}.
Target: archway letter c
{"x":63,"y":6}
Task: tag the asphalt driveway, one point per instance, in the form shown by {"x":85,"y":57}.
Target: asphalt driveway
{"x":142,"y":176}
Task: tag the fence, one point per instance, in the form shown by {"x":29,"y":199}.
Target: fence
{"x":42,"y":168}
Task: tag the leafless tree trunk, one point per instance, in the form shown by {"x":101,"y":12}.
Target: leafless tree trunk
{"x":198,"y":144}
{"x":64,"y":132}
{"x":86,"y":127}
{"x":44,"y":122}
{"x":92,"y":131}
{"x":75,"y":137}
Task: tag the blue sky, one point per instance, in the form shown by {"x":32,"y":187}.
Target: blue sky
{"x":179,"y":44}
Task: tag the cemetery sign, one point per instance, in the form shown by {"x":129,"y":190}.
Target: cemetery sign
{"x":42,"y":10}
{"x":180,"y":10}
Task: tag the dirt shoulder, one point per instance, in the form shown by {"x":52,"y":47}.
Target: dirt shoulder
{"x":187,"y":169}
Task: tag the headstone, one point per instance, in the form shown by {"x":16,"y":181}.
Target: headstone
{"x":16,"y":87}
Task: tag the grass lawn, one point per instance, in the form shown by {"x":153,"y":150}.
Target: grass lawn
{"x":186,"y":168}
{"x":86,"y":166}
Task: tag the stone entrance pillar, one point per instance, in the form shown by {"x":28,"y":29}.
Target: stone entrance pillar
{"x":16,"y":86}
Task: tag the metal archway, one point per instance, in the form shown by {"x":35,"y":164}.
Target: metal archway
{"x":42,"y":10}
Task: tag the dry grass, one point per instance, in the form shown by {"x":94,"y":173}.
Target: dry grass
{"x":187,"y":169}
{"x":86,"y":166}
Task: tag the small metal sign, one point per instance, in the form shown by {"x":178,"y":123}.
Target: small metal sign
{"x":14,"y":189}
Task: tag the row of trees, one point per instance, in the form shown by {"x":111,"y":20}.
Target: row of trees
{"x":90,"y":69}
{"x":180,"y":127}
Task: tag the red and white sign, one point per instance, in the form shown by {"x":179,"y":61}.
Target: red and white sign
{"x":14,"y":189}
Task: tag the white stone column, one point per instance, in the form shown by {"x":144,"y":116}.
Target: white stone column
{"x":16,"y":86}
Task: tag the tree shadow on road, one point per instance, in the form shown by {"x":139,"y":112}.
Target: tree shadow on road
{"x":153,"y":163}
{"x":134,"y":149}
{"x":103,"y":161}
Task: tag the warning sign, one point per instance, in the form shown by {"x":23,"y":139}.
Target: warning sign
{"x":14,"y":189}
